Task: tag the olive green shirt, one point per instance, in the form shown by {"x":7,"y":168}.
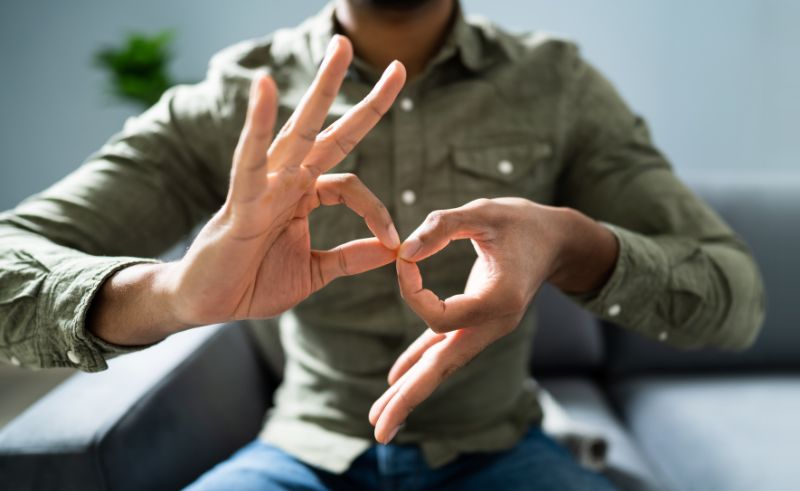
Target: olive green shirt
{"x":494,"y":114}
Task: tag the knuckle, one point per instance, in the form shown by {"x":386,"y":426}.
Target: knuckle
{"x":449,"y":364}
{"x":343,"y":144}
{"x":306,"y":134}
{"x":351,"y":180}
{"x":449,"y":369}
{"x":373,"y":107}
{"x":292,"y":130}
{"x":486,"y":209}
{"x":435,"y":216}
{"x":437,"y":219}
{"x":481,"y":203}
{"x":324,"y":88}
{"x":342,"y":259}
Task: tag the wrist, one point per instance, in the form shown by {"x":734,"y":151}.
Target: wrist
{"x":587,"y":253}
{"x":135,"y":306}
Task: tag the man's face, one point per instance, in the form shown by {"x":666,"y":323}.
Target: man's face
{"x":392,"y":4}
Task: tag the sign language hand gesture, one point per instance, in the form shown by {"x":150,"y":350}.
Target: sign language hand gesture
{"x":520,"y":244}
{"x":253,"y":259}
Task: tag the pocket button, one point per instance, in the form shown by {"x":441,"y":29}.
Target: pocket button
{"x":406,"y":104}
{"x":506,"y":167}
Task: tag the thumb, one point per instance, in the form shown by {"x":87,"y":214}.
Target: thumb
{"x":438,"y":229}
{"x":351,"y":258}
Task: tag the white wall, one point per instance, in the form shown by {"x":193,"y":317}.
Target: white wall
{"x":718,"y":81}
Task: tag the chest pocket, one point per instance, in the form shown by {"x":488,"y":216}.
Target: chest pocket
{"x":516,"y":169}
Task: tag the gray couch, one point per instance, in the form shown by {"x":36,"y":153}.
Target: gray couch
{"x":674,"y":420}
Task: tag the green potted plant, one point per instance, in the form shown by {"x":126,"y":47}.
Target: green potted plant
{"x":138,"y":68}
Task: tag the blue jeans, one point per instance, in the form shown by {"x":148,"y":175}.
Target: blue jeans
{"x":536,"y":463}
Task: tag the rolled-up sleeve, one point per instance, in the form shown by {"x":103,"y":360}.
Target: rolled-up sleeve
{"x":44,"y":309}
{"x":145,"y":190}
{"x":682,"y":277}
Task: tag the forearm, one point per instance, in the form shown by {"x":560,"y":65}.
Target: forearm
{"x":45,"y":292}
{"x":134,"y":307}
{"x":683,"y":291}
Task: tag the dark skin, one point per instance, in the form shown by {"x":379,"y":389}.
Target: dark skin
{"x":380,"y":35}
{"x":520,"y":244}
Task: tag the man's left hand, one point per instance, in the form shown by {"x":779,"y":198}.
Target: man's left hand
{"x":520,"y":245}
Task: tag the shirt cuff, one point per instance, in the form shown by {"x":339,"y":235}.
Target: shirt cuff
{"x":62,"y":338}
{"x":638,"y":280}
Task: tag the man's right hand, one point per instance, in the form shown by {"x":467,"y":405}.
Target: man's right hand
{"x":253,"y":258}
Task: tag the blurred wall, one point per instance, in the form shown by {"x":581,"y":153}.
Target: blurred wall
{"x":718,"y":81}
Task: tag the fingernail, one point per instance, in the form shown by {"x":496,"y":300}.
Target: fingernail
{"x":394,"y":237}
{"x":409,"y":248}
{"x":392,"y":435}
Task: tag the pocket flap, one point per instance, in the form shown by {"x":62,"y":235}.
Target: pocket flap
{"x":505,"y":163}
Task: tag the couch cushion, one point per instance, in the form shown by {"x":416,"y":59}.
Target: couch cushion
{"x":568,"y":338}
{"x":718,"y":432}
{"x":765,"y":211}
{"x":586,"y":405}
{"x":156,"y":419}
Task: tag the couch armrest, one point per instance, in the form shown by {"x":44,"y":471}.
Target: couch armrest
{"x":155,"y":419}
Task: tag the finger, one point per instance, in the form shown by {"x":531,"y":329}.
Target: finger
{"x":456,"y":312}
{"x":343,"y":135}
{"x":379,"y":405}
{"x":433,"y":368}
{"x":442,"y":226}
{"x":297,"y":136}
{"x":412,"y":354}
{"x":352,"y":258}
{"x":248,"y":175}
{"x":347,"y":189}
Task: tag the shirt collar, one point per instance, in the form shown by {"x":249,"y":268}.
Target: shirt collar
{"x":463,"y":40}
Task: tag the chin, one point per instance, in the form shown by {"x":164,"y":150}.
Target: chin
{"x":393,"y":4}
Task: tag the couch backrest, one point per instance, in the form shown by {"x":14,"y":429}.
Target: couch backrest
{"x":765,"y":211}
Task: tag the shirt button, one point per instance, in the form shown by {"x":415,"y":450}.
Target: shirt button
{"x":408,"y":197}
{"x":663,"y":335}
{"x":15,"y":361}
{"x":505,"y":167}
{"x":73,"y":357}
{"x":406,"y":104}
{"x":614,"y":310}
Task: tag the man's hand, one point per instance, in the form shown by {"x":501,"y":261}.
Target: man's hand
{"x":253,"y":259}
{"x":519,"y":245}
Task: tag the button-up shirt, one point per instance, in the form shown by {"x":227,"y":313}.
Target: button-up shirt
{"x":493,"y":114}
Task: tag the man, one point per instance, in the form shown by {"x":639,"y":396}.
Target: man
{"x":511,"y":141}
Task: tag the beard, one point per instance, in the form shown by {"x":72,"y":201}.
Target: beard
{"x":395,"y":5}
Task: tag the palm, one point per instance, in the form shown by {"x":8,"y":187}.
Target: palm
{"x":254,"y":258}
{"x":503,"y":280}
{"x":289,"y":258}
